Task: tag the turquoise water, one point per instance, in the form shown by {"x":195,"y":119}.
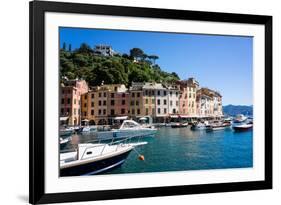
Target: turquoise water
{"x":178,"y":149}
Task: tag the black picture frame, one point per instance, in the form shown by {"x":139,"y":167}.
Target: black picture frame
{"x":37,"y":85}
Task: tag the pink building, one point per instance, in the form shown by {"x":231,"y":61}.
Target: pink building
{"x":70,"y":101}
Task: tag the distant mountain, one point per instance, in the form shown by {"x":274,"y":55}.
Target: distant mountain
{"x":233,"y":110}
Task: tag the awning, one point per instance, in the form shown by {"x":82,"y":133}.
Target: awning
{"x":121,"y":118}
{"x":174,"y":116}
{"x":85,"y":120}
{"x":63,"y":118}
{"x":185,"y":116}
{"x":143,"y":118}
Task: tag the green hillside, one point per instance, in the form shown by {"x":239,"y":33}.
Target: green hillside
{"x":94,"y":68}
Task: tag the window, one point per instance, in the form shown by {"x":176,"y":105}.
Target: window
{"x":189,"y":95}
{"x":93,"y":95}
{"x":171,"y":103}
{"x":152,"y":92}
{"x":146,"y":92}
{"x":158,"y":102}
{"x":153,"y":101}
{"x":133,"y":95}
{"x":132,"y":102}
{"x":165,"y":102}
{"x":104,"y":94}
{"x":138,"y":95}
{"x":193,"y":95}
{"x":112,"y":112}
{"x":67,"y":110}
{"x":85,"y":113}
{"x":99,"y":102}
{"x":100,"y":95}
{"x":61,"y":110}
{"x":115,"y":88}
{"x":99,"y":112}
{"x":123,"y":95}
{"x":137,"y":103}
{"x":165,"y":92}
{"x":146,"y":111}
{"x":158,"y":92}
{"x":85,"y":104}
{"x":171,"y":93}
{"x":112,"y":102}
{"x":92,"y":112}
{"x":165,"y":110}
{"x":112,"y":95}
{"x":177,"y":94}
{"x":74,"y":111}
{"x":92,"y":104}
{"x":174,"y":111}
{"x":177,"y":103}
{"x":123,"y":111}
{"x":138,"y":111}
{"x":85,"y":97}
{"x":153,"y":111}
{"x":146,"y":101}
{"x":62,"y":101}
{"x":133,"y":111}
{"x":104,"y":102}
{"x":104,"y":112}
{"x":159,"y":111}
{"x":68,"y":100}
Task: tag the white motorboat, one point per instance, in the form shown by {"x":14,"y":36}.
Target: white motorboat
{"x":129,"y":128}
{"x":240,"y":118}
{"x":243,"y":127}
{"x":95,"y":158}
{"x":199,"y":125}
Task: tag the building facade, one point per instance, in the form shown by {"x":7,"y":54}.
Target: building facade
{"x":188,"y":97}
{"x":104,"y":50}
{"x":70,"y":101}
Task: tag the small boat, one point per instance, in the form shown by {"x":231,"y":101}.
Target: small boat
{"x":243,"y":127}
{"x":129,"y":128}
{"x":240,"y":118}
{"x":199,"y":126}
{"x":95,"y":158}
{"x":63,"y":142}
{"x":179,"y":125}
{"x":218,"y":126}
{"x":66,"y":131}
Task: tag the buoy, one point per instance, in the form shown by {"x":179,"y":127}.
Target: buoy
{"x":141,"y":157}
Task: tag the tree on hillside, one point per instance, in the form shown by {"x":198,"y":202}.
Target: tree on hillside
{"x":64,"y":46}
{"x":153,"y":58}
{"x":85,"y":48}
{"x":136,"y":53}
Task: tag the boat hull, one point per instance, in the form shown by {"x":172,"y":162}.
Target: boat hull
{"x":242,"y":129}
{"x":95,"y":167}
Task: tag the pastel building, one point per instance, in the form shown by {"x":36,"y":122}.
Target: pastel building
{"x":70,"y":101}
{"x":173,"y":93}
{"x":209,"y":103}
{"x":136,"y":100}
{"x":118,"y":102}
{"x":187,"y":99}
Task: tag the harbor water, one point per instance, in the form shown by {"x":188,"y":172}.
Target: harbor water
{"x":180,"y":149}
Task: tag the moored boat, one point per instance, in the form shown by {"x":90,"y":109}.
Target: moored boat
{"x":199,"y":125}
{"x":218,"y":126}
{"x":179,"y":125}
{"x":129,"y":128}
{"x":243,"y":127}
{"x":240,"y":118}
{"x":95,"y":158}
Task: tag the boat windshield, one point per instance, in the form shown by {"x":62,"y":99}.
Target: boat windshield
{"x":129,"y":124}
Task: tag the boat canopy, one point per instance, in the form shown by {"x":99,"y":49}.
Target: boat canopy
{"x":129,"y":124}
{"x":121,"y":118}
{"x":63,"y":118}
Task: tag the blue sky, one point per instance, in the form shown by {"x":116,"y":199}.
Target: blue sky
{"x":222,"y":63}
